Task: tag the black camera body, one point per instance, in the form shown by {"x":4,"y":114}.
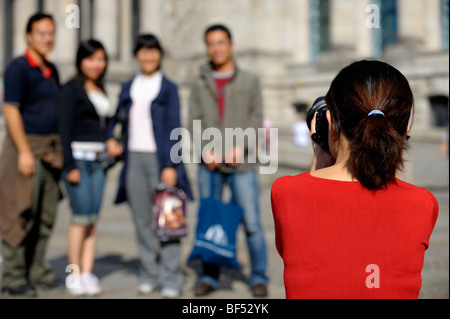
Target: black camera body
{"x":321,"y":134}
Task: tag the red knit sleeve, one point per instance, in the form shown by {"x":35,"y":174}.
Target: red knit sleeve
{"x":276,"y":212}
{"x":433,"y":220}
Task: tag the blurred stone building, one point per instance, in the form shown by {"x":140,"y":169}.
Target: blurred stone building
{"x":295,"y":46}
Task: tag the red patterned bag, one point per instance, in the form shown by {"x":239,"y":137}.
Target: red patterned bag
{"x":169,"y":212}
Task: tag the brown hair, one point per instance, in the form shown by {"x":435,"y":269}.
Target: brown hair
{"x":377,"y":142}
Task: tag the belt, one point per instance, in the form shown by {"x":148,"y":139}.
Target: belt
{"x":86,"y":155}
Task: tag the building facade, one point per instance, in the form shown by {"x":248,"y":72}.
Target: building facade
{"x":296,"y":47}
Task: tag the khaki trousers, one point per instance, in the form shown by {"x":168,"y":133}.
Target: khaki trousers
{"x":26,"y":263}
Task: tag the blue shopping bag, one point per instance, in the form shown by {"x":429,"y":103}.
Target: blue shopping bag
{"x":215,"y":235}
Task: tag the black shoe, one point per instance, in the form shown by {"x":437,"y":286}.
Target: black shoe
{"x":21,"y":291}
{"x":51,"y":284}
{"x":203,"y":289}
{"x":259,"y":290}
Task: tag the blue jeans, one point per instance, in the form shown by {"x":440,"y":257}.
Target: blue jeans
{"x":246,"y":192}
{"x":86,"y":196}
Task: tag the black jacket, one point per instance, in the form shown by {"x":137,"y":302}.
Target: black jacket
{"x":165,"y":114}
{"x":78,"y":120}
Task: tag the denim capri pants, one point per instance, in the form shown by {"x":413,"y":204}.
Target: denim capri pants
{"x":86,"y":196}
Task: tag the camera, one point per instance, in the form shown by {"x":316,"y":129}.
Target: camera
{"x":321,"y":134}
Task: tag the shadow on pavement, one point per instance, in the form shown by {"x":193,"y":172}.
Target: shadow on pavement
{"x":104,"y":265}
{"x":227,"y":275}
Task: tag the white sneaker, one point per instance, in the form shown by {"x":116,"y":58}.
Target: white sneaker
{"x":145,"y":288}
{"x":170,"y":293}
{"x":90,"y":284}
{"x":74,"y":287}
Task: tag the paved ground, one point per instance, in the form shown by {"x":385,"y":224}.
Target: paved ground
{"x":116,"y":263}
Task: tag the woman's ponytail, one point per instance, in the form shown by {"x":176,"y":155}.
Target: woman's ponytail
{"x":376,"y":152}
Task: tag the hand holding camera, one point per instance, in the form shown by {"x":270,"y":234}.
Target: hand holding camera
{"x":319,"y":129}
{"x":320,"y":136}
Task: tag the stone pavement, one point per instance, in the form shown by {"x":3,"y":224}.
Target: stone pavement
{"x":116,"y":260}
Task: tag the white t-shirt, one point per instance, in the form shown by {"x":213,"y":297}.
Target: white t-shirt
{"x":88,"y":150}
{"x":143,"y":91}
{"x":101,"y":102}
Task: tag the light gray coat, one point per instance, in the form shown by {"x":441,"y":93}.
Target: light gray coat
{"x":243,"y":110}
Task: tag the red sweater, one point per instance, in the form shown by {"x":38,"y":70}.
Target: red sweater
{"x":221,"y":83}
{"x":339,"y":240}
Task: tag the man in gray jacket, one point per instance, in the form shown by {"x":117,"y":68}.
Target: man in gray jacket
{"x":229,"y":99}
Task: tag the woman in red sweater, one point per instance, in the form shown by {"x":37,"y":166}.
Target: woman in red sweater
{"x":350,"y":228}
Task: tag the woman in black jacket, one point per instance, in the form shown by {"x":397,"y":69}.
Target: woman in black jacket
{"x":83,"y":112}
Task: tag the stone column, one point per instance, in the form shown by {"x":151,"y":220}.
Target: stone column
{"x":66,"y":42}
{"x":299,"y":30}
{"x":433,"y":25}
{"x":106,"y":26}
{"x":411,"y":27}
{"x":363,"y":33}
{"x":126,"y":41}
{"x":342,"y":27}
{"x":2,"y":43}
{"x":343,"y":33}
{"x":86,"y":19}
{"x":22,"y":11}
{"x":151,"y":16}
{"x":266,"y":29}
{"x":410,"y":31}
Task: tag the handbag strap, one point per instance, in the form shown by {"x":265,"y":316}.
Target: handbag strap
{"x":212,"y":188}
{"x":233,"y":187}
{"x":231,"y":182}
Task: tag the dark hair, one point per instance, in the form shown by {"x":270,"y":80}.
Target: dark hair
{"x":37,"y":17}
{"x":148,"y":41}
{"x":218,"y":27}
{"x":86,"y":49}
{"x":377,"y":142}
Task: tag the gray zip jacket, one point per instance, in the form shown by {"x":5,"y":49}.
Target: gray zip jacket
{"x":242,"y":118}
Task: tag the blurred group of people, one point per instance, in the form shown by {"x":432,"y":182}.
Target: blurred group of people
{"x":66,"y":131}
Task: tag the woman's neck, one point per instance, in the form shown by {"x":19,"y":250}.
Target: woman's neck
{"x":343,"y":151}
{"x":339,"y":170}
{"x":90,"y":85}
{"x":149,"y":74}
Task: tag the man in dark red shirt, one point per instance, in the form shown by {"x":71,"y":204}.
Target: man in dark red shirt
{"x":223,"y":97}
{"x":30,"y":160}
